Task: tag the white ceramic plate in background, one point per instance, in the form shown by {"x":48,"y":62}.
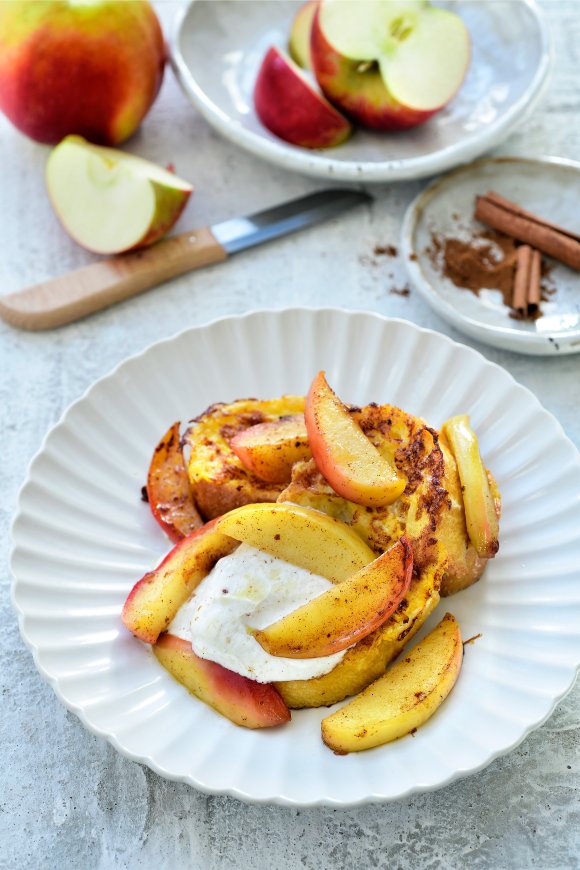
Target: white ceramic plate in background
{"x":549,"y":187}
{"x":218,"y":46}
{"x":82,"y":538}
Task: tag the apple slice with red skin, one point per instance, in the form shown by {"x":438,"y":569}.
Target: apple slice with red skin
{"x":346,"y":613}
{"x":299,"y":44}
{"x":346,"y":458}
{"x":388,"y":65}
{"x":245,"y":702}
{"x":290,"y":107}
{"x":168,"y":490}
{"x":155,"y":599}
{"x":110,"y":201}
{"x":269,"y":450}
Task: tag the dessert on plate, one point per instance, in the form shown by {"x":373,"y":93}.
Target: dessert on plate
{"x":313,"y":540}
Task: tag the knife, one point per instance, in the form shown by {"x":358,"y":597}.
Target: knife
{"x":70,"y":297}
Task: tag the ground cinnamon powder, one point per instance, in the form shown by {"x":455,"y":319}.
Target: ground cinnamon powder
{"x":484,"y":261}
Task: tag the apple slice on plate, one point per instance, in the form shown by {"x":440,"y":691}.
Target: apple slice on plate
{"x":269,"y":450}
{"x":299,"y":535}
{"x":346,"y":458}
{"x":155,"y":599}
{"x":403,"y":698}
{"x":168,"y":489}
{"x":291,"y":108}
{"x":110,"y":201}
{"x":390,"y":65}
{"x":481,"y":516}
{"x":344,"y":614}
{"x":299,"y":44}
{"x":243,"y":701}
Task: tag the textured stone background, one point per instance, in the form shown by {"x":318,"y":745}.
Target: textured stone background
{"x":67,"y":799}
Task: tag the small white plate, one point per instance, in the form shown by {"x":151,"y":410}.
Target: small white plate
{"x":218,"y":46}
{"x":549,"y":187}
{"x":83,"y":537}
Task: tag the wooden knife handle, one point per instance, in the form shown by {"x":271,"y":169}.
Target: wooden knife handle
{"x":70,"y":297}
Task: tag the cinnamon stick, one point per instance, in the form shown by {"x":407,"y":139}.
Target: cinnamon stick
{"x":509,"y":218}
{"x":534,"y":284}
{"x":526,"y":288}
{"x":522,"y":279}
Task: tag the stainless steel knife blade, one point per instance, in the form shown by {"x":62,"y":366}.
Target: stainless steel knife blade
{"x":238,"y":234}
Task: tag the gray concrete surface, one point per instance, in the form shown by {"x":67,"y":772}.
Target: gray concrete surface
{"x":67,"y":799}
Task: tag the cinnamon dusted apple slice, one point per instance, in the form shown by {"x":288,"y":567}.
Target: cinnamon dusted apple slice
{"x":346,"y":613}
{"x":245,"y":702}
{"x":351,"y":464}
{"x":480,"y":513}
{"x":168,"y":490}
{"x":269,"y":450}
{"x":155,"y":599}
{"x":404,"y":698}
{"x":302,"y":536}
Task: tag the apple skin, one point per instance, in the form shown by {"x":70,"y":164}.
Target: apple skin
{"x":362,"y":96}
{"x":155,"y":599}
{"x":290,"y":107}
{"x":344,"y":614}
{"x":88,"y":68}
{"x":168,"y":489}
{"x":245,"y":702}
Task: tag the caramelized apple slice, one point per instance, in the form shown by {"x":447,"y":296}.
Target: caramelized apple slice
{"x":403,"y":698}
{"x":344,"y":614}
{"x":156,"y":598}
{"x":351,"y":464}
{"x":269,"y":450}
{"x":480,"y":515}
{"x":168,"y":489}
{"x":244,"y":701}
{"x":301,"y":536}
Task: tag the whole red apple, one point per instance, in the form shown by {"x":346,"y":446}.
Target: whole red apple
{"x":89,"y":67}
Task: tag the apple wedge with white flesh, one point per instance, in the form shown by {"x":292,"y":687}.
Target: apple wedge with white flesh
{"x":269,"y":450}
{"x":403,"y":698}
{"x":245,"y":702}
{"x":289,"y":105}
{"x":168,"y":490}
{"x":110,"y":201}
{"x":299,"y":44}
{"x":390,"y":65}
{"x":302,"y":536}
{"x":345,"y":457}
{"x":480,"y":513}
{"x":345,"y":613}
{"x":155,"y":599}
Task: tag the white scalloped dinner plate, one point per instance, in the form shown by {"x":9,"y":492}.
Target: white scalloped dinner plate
{"x":218,"y":46}
{"x":82,"y":537}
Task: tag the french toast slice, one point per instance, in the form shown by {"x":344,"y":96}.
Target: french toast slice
{"x":219,"y":480}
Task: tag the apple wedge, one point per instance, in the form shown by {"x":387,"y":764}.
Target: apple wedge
{"x":344,"y":614}
{"x":245,"y":702}
{"x":299,"y":44}
{"x":168,"y":490}
{"x":155,"y":599}
{"x":301,"y":536}
{"x":390,"y":65}
{"x":480,"y":513}
{"x":290,"y":107}
{"x":403,"y":698}
{"x":110,"y":201}
{"x":346,"y":458}
{"x":269,"y":450}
